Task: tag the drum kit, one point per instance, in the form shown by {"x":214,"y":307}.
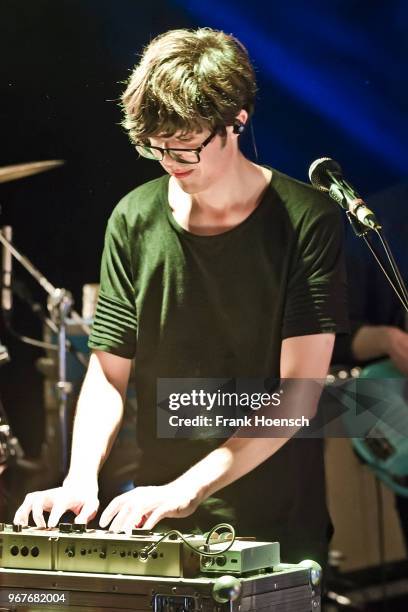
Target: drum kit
{"x":60,"y":313}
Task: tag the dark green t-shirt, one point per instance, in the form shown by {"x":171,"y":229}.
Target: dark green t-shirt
{"x":184,"y":305}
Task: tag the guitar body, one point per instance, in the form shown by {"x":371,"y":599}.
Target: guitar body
{"x":384,"y":446}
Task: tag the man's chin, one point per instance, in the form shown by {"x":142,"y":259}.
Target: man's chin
{"x":189,"y":186}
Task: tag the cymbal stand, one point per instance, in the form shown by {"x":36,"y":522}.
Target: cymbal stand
{"x":59,"y":304}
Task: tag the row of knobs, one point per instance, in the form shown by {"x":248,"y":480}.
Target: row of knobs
{"x":70,"y":552}
{"x":24,"y":551}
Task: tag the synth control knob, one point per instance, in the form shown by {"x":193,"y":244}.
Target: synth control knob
{"x":142,"y":532}
{"x":17,"y":528}
{"x":70,"y":551}
{"x":79,"y":527}
{"x":221,"y":560}
{"x":102,"y":554}
{"x":14,"y":550}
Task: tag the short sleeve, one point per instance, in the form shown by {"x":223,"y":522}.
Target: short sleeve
{"x":316,"y":299}
{"x":115,"y":325}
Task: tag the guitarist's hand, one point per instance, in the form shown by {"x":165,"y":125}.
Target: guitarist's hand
{"x":397,"y":348}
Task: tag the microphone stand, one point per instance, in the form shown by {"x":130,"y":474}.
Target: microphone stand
{"x":60,"y":306}
{"x":398,"y":284}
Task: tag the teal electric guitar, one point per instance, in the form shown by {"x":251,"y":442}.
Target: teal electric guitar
{"x":382,"y":401}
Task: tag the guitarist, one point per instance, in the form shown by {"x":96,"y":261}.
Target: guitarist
{"x":379,"y":325}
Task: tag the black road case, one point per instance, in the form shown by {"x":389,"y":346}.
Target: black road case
{"x":293,"y":589}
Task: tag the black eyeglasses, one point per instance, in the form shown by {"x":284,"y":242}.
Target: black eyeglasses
{"x":184,"y":156}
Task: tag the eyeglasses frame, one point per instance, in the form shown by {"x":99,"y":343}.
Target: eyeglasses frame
{"x":164,"y":150}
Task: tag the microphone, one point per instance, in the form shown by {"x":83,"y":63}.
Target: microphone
{"x":6,"y":268}
{"x":326,"y":174}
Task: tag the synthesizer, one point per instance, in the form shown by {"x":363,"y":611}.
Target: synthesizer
{"x":74,"y":548}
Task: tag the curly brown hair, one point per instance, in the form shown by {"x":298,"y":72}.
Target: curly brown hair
{"x":186,"y":81}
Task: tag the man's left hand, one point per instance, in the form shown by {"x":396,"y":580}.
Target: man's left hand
{"x":146,"y":506}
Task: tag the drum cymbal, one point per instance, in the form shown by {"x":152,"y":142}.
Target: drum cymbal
{"x":18,"y":171}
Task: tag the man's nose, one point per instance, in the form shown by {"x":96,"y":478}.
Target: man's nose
{"x":167,"y":161}
{"x":170,"y":165}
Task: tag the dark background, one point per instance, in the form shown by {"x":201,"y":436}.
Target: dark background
{"x":332,"y":82}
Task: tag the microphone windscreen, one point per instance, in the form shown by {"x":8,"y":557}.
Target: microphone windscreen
{"x":318,"y":172}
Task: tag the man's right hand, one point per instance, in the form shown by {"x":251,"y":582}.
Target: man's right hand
{"x":94,"y":432}
{"x":82,"y":500}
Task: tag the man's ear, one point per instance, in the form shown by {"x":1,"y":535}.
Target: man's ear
{"x":240,"y":122}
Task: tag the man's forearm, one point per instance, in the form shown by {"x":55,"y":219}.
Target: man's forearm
{"x":229,"y":462}
{"x":251,"y":446}
{"x":371,"y":341}
{"x":97,"y":421}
